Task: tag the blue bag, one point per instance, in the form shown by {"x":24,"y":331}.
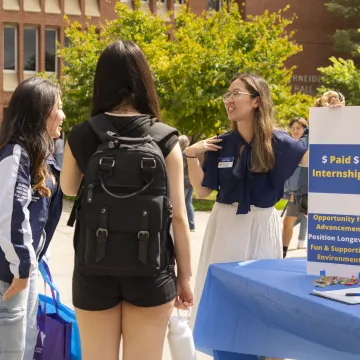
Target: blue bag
{"x":67,"y":314}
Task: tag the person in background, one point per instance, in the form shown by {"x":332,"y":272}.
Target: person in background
{"x":331,"y":99}
{"x":134,"y":310}
{"x":184,"y":143}
{"x":31,"y":202}
{"x":59,"y":150}
{"x":295,"y":188}
{"x":248,"y":166}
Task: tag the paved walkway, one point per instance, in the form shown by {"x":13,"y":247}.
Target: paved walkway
{"x":62,"y":256}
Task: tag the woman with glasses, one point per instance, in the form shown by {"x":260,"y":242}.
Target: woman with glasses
{"x":248,"y":167}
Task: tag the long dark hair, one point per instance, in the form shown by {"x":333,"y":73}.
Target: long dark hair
{"x":123,"y":77}
{"x":25,"y":122}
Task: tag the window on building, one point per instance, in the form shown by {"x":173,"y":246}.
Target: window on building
{"x":10,"y":48}
{"x":50,"y":50}
{"x":30,"y":49}
{"x":216,"y":4}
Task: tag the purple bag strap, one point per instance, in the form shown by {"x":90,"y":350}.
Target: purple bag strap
{"x":54,"y":300}
{"x":46,"y":274}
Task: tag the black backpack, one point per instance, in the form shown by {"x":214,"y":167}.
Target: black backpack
{"x":123,"y":210}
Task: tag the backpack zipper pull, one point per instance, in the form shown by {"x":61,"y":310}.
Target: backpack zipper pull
{"x":90,"y":193}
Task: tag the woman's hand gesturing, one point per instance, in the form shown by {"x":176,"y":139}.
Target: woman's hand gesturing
{"x":203,"y":146}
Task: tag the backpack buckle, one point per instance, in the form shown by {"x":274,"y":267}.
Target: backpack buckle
{"x":106,"y":163}
{"x":101,"y":236}
{"x":143,"y":235}
{"x":102,"y":233}
{"x":148,"y":166}
{"x":148,"y":163}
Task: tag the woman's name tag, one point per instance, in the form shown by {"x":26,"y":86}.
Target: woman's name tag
{"x":225,"y":162}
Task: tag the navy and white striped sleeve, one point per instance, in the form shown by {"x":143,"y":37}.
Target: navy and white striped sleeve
{"x":15,"y":196}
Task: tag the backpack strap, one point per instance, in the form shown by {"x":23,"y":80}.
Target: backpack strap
{"x":159,"y":131}
{"x":75,"y":209}
{"x":101,"y":126}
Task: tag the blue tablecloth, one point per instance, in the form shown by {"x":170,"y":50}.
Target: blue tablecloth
{"x":264,"y":308}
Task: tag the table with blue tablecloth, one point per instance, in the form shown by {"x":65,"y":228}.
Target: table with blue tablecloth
{"x":264,"y":307}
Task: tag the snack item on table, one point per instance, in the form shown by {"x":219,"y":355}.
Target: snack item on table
{"x":335,"y":280}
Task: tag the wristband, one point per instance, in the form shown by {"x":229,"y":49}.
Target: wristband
{"x":191,"y":157}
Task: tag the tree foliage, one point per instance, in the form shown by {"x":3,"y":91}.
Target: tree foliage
{"x":342,"y":76}
{"x":346,"y":40}
{"x":193,"y":69}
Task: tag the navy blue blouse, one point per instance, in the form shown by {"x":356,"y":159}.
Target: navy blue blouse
{"x":229,"y":173}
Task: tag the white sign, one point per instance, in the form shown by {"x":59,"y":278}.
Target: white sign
{"x":334,"y":192}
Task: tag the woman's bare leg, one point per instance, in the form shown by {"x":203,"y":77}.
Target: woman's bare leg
{"x":143,"y":331}
{"x":100,"y":333}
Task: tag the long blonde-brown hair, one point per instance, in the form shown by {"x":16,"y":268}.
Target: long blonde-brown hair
{"x":262,"y":155}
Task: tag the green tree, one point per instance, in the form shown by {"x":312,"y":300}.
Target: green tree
{"x":193,"y":69}
{"x":80,"y":59}
{"x":342,"y":76}
{"x":346,"y":40}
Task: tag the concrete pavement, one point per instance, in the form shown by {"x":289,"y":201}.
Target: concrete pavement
{"x":62,"y":257}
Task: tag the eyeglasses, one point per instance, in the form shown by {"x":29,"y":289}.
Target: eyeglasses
{"x":236,"y":94}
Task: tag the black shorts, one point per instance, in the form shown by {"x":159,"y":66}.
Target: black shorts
{"x":96,"y":293}
{"x":298,"y":206}
{"x":303,"y":204}
{"x":292,"y":209}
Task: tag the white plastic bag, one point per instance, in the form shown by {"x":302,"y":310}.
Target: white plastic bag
{"x":180,"y":338}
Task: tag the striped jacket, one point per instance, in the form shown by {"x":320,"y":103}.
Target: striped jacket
{"x":27,"y":219}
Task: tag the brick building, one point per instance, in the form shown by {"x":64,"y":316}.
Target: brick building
{"x":314,"y":27}
{"x":30,"y":30}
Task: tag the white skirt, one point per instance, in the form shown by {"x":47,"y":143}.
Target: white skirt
{"x":230,"y":237}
